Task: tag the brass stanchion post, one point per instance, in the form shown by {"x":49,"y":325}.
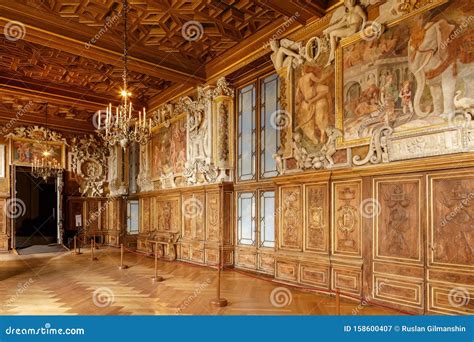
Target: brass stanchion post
{"x":93,"y":257}
{"x":75,"y":252}
{"x":156,"y":278}
{"x":122,"y":266}
{"x":219,"y":302}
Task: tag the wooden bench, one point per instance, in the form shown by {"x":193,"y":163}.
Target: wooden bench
{"x":168,"y":242}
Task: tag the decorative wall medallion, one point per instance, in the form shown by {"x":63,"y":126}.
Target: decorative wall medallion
{"x":89,"y":164}
{"x":316,"y":217}
{"x":347,"y":218}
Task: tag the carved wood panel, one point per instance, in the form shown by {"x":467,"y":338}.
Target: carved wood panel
{"x":166,"y":215}
{"x":3,"y":217}
{"x":317,"y":218}
{"x":193,"y":211}
{"x":291,"y":218}
{"x":397,"y":213}
{"x":451,"y":231}
{"x":92,"y":215}
{"x":212,"y":216}
{"x":145,"y":215}
{"x":347,"y":218}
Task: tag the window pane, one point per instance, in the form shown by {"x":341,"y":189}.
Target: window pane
{"x":246,"y":218}
{"x":246,"y":134}
{"x":267,"y":219}
{"x":132,"y":217}
{"x":270,"y":136}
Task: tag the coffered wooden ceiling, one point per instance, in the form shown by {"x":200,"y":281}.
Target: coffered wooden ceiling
{"x":71,"y":49}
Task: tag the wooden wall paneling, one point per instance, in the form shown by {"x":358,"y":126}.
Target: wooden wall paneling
{"x":398,"y":240}
{"x":315,"y":274}
{"x":91,"y":214}
{"x":213,"y":216}
{"x":316,"y":213}
{"x":291,"y":218}
{"x":450,"y":244}
{"x":346,"y":237}
{"x":246,"y":257}
{"x":3,"y":226}
{"x":346,"y":218}
{"x":347,"y":279}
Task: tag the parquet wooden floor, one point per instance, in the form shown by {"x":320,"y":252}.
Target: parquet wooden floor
{"x":74,"y":285}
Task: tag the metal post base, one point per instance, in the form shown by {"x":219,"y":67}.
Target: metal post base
{"x":157,"y":279}
{"x":219,"y":302}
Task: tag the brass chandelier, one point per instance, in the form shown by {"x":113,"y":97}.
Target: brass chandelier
{"x":120,"y":126}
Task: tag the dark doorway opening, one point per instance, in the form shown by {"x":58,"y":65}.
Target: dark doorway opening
{"x":38,"y":224}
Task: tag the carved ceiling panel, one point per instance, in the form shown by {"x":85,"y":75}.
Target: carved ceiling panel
{"x":21,"y":108}
{"x":162,"y":25}
{"x":22,"y":60}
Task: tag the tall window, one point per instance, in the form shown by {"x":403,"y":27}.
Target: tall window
{"x":246,"y":134}
{"x":246,"y":227}
{"x":267,"y":219}
{"x":132,"y":217}
{"x":269,"y":135}
{"x":258,"y":106}
{"x":250,"y":231}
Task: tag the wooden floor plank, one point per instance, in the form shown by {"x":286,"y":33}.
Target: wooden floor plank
{"x":74,"y":285}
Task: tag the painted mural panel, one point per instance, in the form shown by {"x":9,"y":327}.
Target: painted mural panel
{"x":169,"y":149}
{"x":24,"y":151}
{"x":411,"y":76}
{"x":314,"y":105}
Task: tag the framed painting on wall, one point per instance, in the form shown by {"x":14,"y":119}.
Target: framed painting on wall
{"x":408,"y":76}
{"x":24,"y":151}
{"x":168,"y":149}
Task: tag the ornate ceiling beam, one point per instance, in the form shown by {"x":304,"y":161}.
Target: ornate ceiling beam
{"x":55,"y":123}
{"x":38,"y":90}
{"x":51,"y":31}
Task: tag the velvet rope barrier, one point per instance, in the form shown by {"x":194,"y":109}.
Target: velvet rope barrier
{"x":337,"y":292}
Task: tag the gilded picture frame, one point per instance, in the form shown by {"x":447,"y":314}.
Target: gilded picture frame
{"x":23,"y":151}
{"x":342,"y":102}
